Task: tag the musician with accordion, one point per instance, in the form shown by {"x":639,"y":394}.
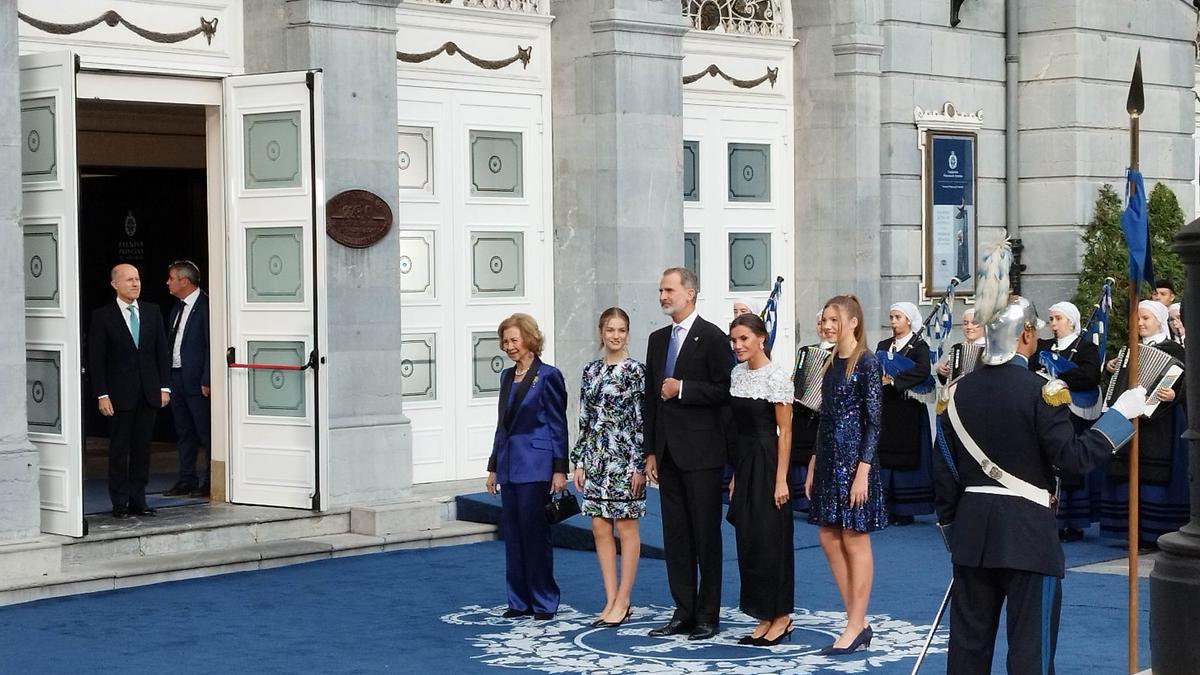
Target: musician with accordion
{"x":1076,"y":361}
{"x":963,"y":357}
{"x":1162,"y":455}
{"x":811,"y":361}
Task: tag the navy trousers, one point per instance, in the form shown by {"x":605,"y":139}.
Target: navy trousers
{"x":529,"y":556}
{"x":191,"y":412}
{"x":1034,"y":602}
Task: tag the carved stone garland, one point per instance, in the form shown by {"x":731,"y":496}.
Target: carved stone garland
{"x":113,"y":19}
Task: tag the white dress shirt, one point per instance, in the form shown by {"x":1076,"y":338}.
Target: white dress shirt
{"x":188,"y":303}
{"x":680,"y":338}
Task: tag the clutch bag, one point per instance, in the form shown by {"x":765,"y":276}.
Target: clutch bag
{"x":562,"y":505}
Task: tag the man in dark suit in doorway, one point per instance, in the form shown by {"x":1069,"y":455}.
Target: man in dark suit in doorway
{"x":130,"y":367}
{"x":187,"y":340}
{"x":687,"y":385}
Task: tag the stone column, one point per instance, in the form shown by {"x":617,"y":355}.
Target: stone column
{"x":1175,"y":579}
{"x":354,"y":43}
{"x":19,"y":516}
{"x":837,"y":125}
{"x":618,"y":167}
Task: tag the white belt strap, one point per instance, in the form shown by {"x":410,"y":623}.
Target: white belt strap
{"x":1012,"y":485}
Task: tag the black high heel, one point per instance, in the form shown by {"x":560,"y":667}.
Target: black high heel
{"x":863,"y":639}
{"x":614,"y":624}
{"x":764,"y":641}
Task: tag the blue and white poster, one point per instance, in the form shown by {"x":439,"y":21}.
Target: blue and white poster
{"x":951,"y":228}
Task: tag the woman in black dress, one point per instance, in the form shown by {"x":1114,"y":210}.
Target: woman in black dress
{"x":759,"y":503}
{"x":906,"y":441}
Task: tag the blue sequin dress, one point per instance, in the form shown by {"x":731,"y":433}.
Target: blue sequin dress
{"x":848,"y":433}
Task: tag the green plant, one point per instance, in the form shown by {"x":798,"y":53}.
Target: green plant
{"x":1105,"y":254}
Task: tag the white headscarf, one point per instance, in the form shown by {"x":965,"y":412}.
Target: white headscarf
{"x":910,"y":310}
{"x":1159,"y":311}
{"x":750,"y":304}
{"x":1072,"y":313}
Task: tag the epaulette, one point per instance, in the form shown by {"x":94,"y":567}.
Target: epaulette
{"x":1055,"y":393}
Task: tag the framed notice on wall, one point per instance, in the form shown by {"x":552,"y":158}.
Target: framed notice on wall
{"x":949,"y":225}
{"x":950,"y":232}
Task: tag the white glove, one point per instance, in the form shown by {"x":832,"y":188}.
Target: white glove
{"x":1132,"y":403}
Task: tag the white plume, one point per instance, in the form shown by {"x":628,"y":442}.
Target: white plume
{"x":992,"y":287}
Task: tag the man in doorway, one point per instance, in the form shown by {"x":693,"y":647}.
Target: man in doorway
{"x":130,"y":370}
{"x":687,"y":386}
{"x":1164,"y":292}
{"x":187,"y":340}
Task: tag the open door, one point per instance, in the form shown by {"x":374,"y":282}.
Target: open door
{"x":53,"y":339}
{"x":276,"y":250}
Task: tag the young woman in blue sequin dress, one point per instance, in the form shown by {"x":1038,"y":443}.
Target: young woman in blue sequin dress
{"x":843,"y":487}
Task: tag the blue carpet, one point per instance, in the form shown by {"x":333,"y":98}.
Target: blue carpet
{"x":437,"y":611}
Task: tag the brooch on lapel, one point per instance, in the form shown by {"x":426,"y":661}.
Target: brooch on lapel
{"x":696,"y":339}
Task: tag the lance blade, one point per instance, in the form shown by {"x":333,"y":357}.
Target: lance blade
{"x":1136,"y":102}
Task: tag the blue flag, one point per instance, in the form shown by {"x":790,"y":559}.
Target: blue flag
{"x":1135,"y":229}
{"x":1097,"y":329}
{"x":770,"y":313}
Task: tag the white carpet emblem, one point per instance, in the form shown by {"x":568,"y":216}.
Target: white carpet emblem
{"x":567,"y":645}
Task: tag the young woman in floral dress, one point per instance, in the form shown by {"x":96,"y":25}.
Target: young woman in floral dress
{"x":608,"y":462}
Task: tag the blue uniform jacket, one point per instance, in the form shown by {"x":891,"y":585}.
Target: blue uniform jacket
{"x":1002,"y":408}
{"x":531,"y":431}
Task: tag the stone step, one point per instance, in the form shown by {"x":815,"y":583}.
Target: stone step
{"x":112,"y":541}
{"x":111,"y":574}
{"x":398,"y":518}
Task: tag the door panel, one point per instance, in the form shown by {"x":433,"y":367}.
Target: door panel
{"x":274,"y":173}
{"x":473,"y":251}
{"x":49,"y":221}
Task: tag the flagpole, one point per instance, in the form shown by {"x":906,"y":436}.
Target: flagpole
{"x":1134,"y":105}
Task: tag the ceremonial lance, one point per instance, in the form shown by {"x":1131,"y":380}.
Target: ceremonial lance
{"x":1134,"y":105}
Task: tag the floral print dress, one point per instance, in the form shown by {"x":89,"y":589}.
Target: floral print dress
{"x":609,"y":449}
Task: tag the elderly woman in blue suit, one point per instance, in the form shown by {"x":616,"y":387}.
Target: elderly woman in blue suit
{"x":528,"y":464}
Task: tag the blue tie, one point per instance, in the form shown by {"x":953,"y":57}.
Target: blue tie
{"x":672,"y":351}
{"x":134,"y":324}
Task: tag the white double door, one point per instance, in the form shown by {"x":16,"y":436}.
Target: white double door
{"x":475,"y":248}
{"x":273,"y":193}
{"x":738,"y":211}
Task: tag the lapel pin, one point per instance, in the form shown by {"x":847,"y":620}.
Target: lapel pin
{"x":696,"y":339}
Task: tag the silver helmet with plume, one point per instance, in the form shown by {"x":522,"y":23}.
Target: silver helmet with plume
{"x":1004,"y":316}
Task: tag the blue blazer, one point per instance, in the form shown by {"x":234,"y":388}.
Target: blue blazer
{"x":531,"y":431}
{"x":193,"y":348}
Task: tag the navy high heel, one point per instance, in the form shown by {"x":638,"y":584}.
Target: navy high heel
{"x":863,"y":639}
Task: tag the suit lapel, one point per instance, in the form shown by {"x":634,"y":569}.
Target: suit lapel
{"x":691,"y":342}
{"x":522,"y":390}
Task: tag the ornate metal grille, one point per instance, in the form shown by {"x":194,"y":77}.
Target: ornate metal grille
{"x":746,"y":17}
{"x":522,"y":6}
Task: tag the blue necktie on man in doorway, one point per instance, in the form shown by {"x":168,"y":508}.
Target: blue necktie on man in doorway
{"x":135,"y":325}
{"x":672,"y":351}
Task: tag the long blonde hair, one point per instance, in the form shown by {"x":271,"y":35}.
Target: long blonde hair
{"x":849,"y":307}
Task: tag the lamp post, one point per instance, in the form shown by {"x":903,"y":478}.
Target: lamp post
{"x":1175,"y":580}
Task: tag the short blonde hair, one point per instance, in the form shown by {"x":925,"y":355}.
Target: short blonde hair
{"x":530,"y":335}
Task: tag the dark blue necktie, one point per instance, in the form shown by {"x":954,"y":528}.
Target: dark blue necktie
{"x":672,"y":351}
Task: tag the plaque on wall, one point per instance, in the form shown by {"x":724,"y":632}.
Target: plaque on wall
{"x":357,"y":218}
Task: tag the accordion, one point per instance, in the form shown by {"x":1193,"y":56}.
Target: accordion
{"x":810,"y":368}
{"x":964,"y":358}
{"x":1156,"y":369}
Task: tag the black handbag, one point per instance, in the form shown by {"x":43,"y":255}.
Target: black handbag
{"x":562,"y":505}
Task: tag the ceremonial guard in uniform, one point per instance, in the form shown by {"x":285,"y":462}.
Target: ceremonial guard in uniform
{"x":1006,"y":430}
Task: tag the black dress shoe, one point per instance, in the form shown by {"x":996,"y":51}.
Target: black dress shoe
{"x":203,"y":491}
{"x":120,"y":513}
{"x":142,"y":511}
{"x":543,"y":616}
{"x":511,"y":613}
{"x":672,"y":627}
{"x":704,"y":631}
{"x":180,"y":489}
{"x":1070,"y":534}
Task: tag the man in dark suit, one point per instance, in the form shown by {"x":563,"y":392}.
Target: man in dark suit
{"x":1006,"y":429}
{"x":187,"y":340}
{"x":687,"y":385}
{"x":130,"y":367}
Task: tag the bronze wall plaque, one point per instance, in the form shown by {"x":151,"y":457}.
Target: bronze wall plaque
{"x":357,"y":218}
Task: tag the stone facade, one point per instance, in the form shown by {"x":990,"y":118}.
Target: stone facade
{"x":860,"y":69}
